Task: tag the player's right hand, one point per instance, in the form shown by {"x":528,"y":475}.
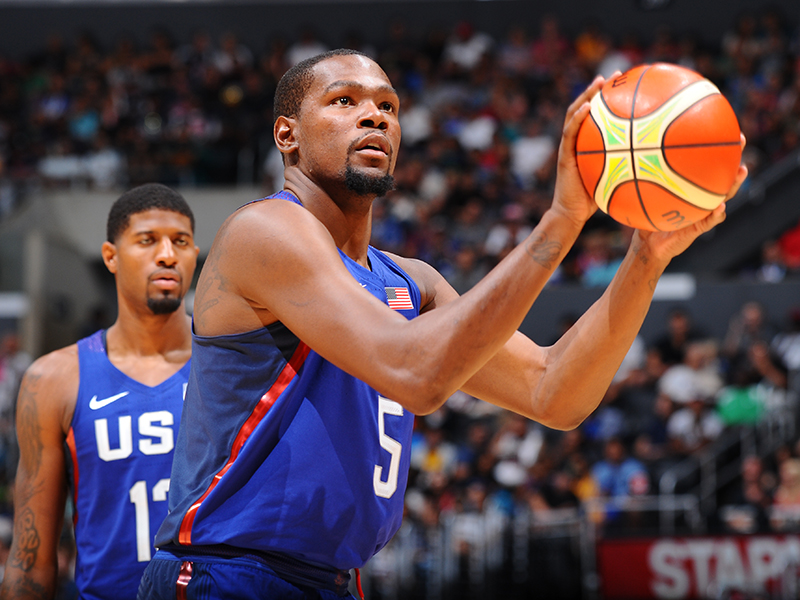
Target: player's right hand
{"x":571,"y":198}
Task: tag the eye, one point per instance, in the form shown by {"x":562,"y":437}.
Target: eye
{"x":146,"y":241}
{"x":344,"y":101}
{"x":181,"y":242}
{"x":387,"y":107}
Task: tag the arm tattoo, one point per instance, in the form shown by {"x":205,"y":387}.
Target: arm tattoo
{"x":25,"y":588}
{"x":29,"y":430}
{"x":208,"y":291}
{"x":543,"y":251}
{"x":26,"y":547}
{"x":641,"y":255}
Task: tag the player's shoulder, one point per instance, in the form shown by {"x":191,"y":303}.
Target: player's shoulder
{"x":55,"y":371}
{"x":269,"y":208}
{"x":268,"y":219}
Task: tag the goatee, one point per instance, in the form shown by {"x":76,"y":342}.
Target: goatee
{"x":164,"y":305}
{"x":367,"y":185}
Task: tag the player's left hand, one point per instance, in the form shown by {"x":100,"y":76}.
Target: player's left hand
{"x":668,"y":244}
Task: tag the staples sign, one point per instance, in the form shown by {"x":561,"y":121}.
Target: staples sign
{"x":695,"y":567}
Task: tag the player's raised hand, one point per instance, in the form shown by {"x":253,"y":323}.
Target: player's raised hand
{"x":668,"y":244}
{"x":571,"y":198}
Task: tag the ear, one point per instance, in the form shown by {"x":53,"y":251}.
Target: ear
{"x":109,"y":252}
{"x":284,"y":132}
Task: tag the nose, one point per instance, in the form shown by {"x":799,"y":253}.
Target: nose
{"x":165,"y":255}
{"x":373,"y":117}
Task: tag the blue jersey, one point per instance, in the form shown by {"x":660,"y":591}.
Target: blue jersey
{"x":281,"y":451}
{"x":120,"y":443}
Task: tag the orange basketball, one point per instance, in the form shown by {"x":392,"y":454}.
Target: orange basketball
{"x":660,"y":147}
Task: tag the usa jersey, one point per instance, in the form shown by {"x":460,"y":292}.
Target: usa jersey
{"x":281,"y":451}
{"x":120,"y":445}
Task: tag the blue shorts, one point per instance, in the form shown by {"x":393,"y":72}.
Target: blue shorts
{"x":171,"y":577}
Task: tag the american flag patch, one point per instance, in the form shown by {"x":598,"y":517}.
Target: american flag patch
{"x":399,"y":298}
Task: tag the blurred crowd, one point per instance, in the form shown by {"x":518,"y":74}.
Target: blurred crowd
{"x":481,"y":120}
{"x":673,"y":397}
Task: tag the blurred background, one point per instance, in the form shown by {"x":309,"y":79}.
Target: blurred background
{"x":685,"y":483}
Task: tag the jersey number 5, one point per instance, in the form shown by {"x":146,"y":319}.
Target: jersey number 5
{"x":386,"y":489}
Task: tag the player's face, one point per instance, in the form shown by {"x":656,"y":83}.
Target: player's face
{"x":348,"y":124}
{"x":154,"y":259}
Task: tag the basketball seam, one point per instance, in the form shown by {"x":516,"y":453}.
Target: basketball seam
{"x":678,"y":198}
{"x":605,"y":158}
{"x":633,"y":163}
{"x":666,"y":100}
{"x":663,"y":146}
{"x":671,"y":147}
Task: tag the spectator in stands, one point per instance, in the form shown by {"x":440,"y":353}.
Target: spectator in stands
{"x":516,"y":447}
{"x":772,"y":268}
{"x":618,"y":475}
{"x":745,"y":509}
{"x":788,"y":491}
{"x":307,"y":45}
{"x":531,"y":151}
{"x":786,"y":345}
{"x":764,"y":374}
{"x":467,"y":269}
{"x":231,"y":58}
{"x":749,"y":325}
{"x":786,"y":512}
{"x":635,"y":389}
{"x":514,"y":54}
{"x":692,"y":426}
{"x":680,"y":330}
{"x":597,"y":260}
{"x":698,"y":374}
{"x":506,"y":234}
{"x":466,"y":48}
{"x":433,"y":457}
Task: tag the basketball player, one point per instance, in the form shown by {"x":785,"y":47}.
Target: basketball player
{"x":108,"y":408}
{"x":313,"y":351}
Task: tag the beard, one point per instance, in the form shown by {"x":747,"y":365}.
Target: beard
{"x":164,"y":305}
{"x":367,"y":185}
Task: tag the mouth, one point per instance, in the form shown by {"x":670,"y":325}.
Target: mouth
{"x":373,"y":144}
{"x":166,"y":280}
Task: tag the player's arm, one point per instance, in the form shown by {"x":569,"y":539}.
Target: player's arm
{"x":562,"y":384}
{"x":279,"y":259}
{"x":44,"y":408}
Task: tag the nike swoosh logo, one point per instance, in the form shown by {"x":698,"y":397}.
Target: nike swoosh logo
{"x":94,"y":403}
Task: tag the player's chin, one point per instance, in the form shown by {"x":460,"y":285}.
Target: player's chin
{"x":164,"y":304}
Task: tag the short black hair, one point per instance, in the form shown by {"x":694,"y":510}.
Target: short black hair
{"x":294,"y":84}
{"x":141,"y":199}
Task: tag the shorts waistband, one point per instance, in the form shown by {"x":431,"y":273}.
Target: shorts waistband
{"x":296,"y":571}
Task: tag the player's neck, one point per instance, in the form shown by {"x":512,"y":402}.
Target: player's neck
{"x":146,"y":334}
{"x":346,"y":215}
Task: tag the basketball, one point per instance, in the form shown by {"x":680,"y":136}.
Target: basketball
{"x":660,"y":148}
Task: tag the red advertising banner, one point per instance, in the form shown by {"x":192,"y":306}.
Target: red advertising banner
{"x":697,"y":567}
